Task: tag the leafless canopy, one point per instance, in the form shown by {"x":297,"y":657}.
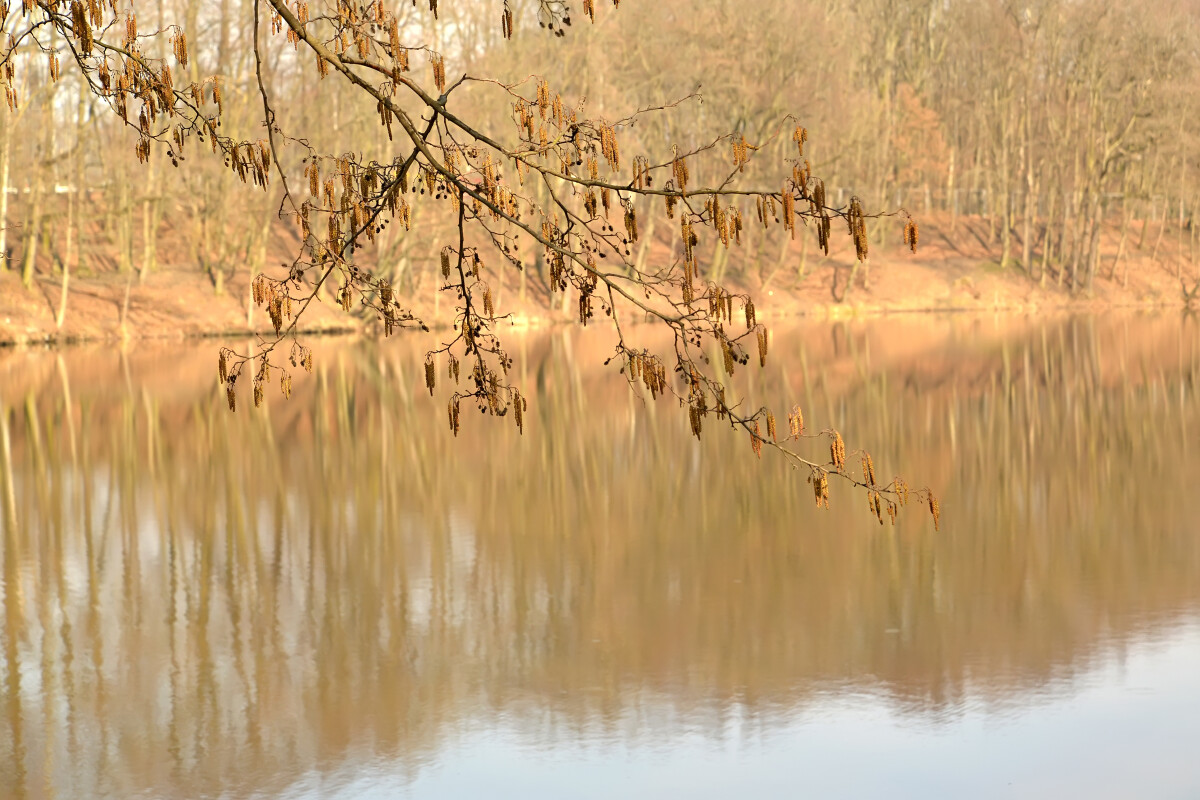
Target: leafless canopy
{"x":551,"y":182}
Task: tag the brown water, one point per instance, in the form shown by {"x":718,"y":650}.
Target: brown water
{"x":333,"y":597}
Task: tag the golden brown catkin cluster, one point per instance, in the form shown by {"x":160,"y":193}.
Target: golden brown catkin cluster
{"x":857,"y":224}
{"x":837,"y":451}
{"x":910,"y":234}
{"x":796,"y":422}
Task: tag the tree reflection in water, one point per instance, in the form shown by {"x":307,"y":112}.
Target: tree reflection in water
{"x":198,"y":603}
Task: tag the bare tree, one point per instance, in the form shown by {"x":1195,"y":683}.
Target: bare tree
{"x":555,"y":184}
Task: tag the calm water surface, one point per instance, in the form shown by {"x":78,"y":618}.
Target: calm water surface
{"x":333,"y":597}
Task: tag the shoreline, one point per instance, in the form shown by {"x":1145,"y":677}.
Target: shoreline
{"x":177,"y":303}
{"x":546,"y":318}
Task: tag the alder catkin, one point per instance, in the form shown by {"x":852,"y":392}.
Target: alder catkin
{"x":910,"y":235}
{"x":430,"y":374}
{"x":837,"y":452}
{"x":727,"y":354}
{"x":868,"y":468}
{"x":796,"y":422}
{"x":820,"y":484}
{"x":800,"y":136}
{"x":439,"y":71}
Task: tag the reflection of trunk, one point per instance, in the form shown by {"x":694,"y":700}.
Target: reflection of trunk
{"x":10,"y":507}
{"x":14,"y":604}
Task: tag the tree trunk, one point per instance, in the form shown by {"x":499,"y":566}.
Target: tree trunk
{"x":32,"y":234}
{"x":1126,"y":218}
{"x":1145,"y":223}
{"x":61,"y":314}
{"x":1046,"y":240}
{"x":647,"y":238}
{"x":803,"y":260}
{"x":125,"y":307}
{"x":1093,"y":250}
{"x":1162,"y":228}
{"x":719,"y":261}
{"x":149,"y":238}
{"x":1192,"y":232}
{"x":1067,"y":226}
{"x":784,"y":248}
{"x":5,"y":159}
{"x":952,"y":193}
{"x":1027,"y":223}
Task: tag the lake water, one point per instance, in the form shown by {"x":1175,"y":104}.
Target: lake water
{"x":333,"y":597}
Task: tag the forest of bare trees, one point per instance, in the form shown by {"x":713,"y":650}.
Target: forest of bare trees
{"x":1047,"y":122}
{"x":1045,"y":119}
